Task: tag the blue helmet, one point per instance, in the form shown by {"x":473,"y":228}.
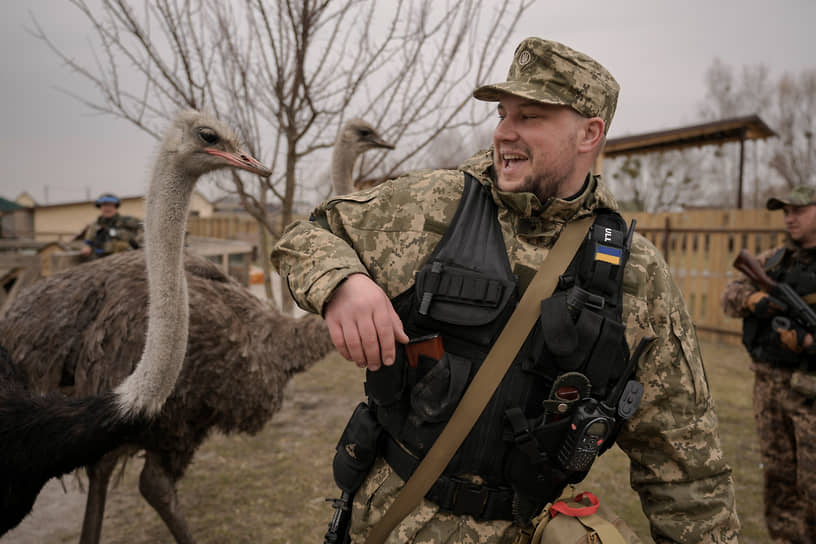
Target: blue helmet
{"x":107,"y":198}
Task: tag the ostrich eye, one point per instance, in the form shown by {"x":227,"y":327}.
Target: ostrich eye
{"x":208,"y":135}
{"x":365,"y":133}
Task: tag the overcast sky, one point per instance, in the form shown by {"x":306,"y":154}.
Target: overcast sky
{"x":57,"y":150}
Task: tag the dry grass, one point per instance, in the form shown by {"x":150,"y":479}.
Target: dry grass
{"x":270,"y":488}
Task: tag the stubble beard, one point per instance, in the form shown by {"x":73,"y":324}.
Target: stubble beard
{"x":547,"y":184}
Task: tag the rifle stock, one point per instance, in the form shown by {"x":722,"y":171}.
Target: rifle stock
{"x":749,"y":265}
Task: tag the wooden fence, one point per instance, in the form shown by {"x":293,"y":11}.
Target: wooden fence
{"x":700,"y":247}
{"x":228,"y":227}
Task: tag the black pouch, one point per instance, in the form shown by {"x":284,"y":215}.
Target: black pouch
{"x":557,"y":328}
{"x":385,"y":385}
{"x":436,"y":395}
{"x":356,"y":449}
{"x":433,"y":400}
{"x":539,"y":479}
{"x":567,"y":341}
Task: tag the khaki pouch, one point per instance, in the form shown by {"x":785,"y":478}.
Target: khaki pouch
{"x":804,"y":383}
{"x":578,"y":520}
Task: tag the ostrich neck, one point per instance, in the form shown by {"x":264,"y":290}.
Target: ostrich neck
{"x":342,"y":169}
{"x":168,"y":200}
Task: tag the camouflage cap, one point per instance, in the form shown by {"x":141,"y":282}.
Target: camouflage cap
{"x":552,"y":73}
{"x":801,"y":195}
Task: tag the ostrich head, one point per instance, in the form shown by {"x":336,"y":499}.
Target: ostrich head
{"x":358,"y":136}
{"x":199,"y":143}
{"x":355,"y":137}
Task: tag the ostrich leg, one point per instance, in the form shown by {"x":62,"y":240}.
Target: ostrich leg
{"x":159,"y":490}
{"x":98,"y":477}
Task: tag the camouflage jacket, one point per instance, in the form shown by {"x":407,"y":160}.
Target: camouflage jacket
{"x":388,"y":232}
{"x":114,"y":234}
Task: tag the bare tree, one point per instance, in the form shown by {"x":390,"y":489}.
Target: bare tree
{"x":287,"y":74}
{"x":654,"y":182}
{"x":794,"y":156}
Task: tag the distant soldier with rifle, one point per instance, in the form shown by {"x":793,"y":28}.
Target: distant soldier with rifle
{"x":111,"y":232}
{"x":777,"y":302}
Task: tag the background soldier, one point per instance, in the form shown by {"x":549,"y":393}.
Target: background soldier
{"x":784,"y":362}
{"x":111,"y":232}
{"x":365,"y":251}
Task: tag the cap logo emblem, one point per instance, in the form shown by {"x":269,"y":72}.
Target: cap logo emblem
{"x":524,"y":58}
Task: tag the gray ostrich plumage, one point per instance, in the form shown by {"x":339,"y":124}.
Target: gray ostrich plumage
{"x":81,"y":332}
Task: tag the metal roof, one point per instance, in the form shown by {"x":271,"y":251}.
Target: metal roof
{"x":718,"y":132}
{"x":8,"y":205}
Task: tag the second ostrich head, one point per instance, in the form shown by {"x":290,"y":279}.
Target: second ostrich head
{"x":194,"y":144}
{"x":356,"y":137}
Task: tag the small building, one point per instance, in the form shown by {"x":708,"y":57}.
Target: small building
{"x":13,"y":217}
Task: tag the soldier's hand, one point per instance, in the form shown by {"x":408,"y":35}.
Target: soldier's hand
{"x":363,"y":324}
{"x":796,"y":339}
{"x":85,"y":251}
{"x":763,"y":305}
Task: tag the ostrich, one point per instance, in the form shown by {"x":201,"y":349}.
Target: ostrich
{"x":44,"y":436}
{"x":354,"y":138}
{"x":89,"y":321}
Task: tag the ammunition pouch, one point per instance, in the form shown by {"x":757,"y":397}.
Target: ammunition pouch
{"x":357,"y":449}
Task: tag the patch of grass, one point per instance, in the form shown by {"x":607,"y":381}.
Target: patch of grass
{"x":270,"y":488}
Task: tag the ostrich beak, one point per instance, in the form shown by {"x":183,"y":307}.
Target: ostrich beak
{"x":376,"y":141}
{"x":241,"y":159}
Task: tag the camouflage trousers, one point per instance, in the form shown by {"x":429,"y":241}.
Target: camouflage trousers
{"x":426,"y":524}
{"x":786,"y":423}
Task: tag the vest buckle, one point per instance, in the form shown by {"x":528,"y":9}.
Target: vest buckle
{"x":427,"y":296}
{"x":579,"y":298}
{"x":469,"y":498}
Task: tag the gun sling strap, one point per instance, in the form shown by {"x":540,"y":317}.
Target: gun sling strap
{"x":486,"y":381}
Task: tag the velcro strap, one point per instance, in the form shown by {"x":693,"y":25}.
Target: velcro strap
{"x":561,"y":507}
{"x":482,"y":291}
{"x":522,"y":437}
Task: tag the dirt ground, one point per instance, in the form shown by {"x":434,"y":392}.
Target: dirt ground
{"x":271,"y":488}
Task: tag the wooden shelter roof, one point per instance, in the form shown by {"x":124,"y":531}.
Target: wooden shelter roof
{"x":736,"y":129}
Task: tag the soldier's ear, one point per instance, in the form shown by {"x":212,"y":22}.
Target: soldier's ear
{"x":590,"y":134}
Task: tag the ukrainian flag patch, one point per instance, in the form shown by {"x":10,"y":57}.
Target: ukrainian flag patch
{"x":608,"y":254}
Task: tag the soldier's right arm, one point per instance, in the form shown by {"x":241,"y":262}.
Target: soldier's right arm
{"x":314,"y":261}
{"x":326,"y":276}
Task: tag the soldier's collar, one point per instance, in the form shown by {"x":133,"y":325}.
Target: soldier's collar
{"x":594,"y":193}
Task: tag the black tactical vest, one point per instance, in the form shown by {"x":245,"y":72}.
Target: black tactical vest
{"x":758,"y":335}
{"x":466,"y":292}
